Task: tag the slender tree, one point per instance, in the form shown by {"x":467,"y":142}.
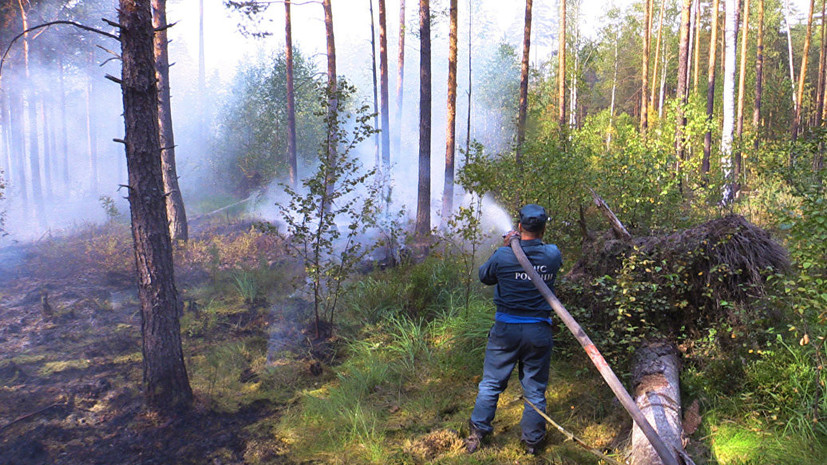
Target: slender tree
{"x":657,"y":52}
{"x":759,"y":75}
{"x":202,"y":70}
{"x":710,"y":83}
{"x":450,"y":132}
{"x":731,"y":37}
{"x":681,"y":93}
{"x":176,"y":213}
{"x":802,"y":76}
{"x":644,"y":69}
{"x":292,"y":160}
{"x":91,"y":126}
{"x":697,"y":47}
{"x":383,"y":86}
{"x":332,"y":94}
{"x":561,"y":68}
{"x":423,"y":204}
{"x":64,"y":136}
{"x":468,"y":116}
{"x":400,"y":76}
{"x":790,"y":57}
{"x":378,"y":155}
{"x":523,"y":105}
{"x":165,"y":382}
{"x":742,"y":80}
{"x":47,"y":148}
{"x":31,"y":100}
{"x":817,"y":117}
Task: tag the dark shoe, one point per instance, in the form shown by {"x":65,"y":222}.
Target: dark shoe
{"x":533,"y":448}
{"x":474,"y":440}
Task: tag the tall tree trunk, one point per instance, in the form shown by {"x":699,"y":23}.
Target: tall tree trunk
{"x":561,"y":68}
{"x":383,"y":88}
{"x":450,"y":133}
{"x":790,"y":57}
{"x":697,"y":55}
{"x":731,"y":35}
{"x":802,"y":77}
{"x":47,"y":149}
{"x":523,"y":106}
{"x":91,"y":127}
{"x":176,"y":214}
{"x":292,"y":160}
{"x":690,"y":48}
{"x":18,"y":139}
{"x":400,"y":76}
{"x":759,"y":75}
{"x":710,"y":84}
{"x":657,"y":52}
{"x":662,"y":95}
{"x":423,"y":204}
{"x":5,"y":137}
{"x":742,"y":80}
{"x":165,"y":382}
{"x":202,"y":71}
{"x":614,"y":91}
{"x":681,"y":93}
{"x":64,"y":137}
{"x":644,"y":70}
{"x":31,"y":101}
{"x":816,"y":119}
{"x":468,"y":116}
{"x":332,"y":100}
{"x":378,"y":155}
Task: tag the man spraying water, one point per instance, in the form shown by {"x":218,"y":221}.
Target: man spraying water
{"x":521,"y":334}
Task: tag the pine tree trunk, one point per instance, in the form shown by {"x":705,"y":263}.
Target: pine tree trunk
{"x":759,"y":75}
{"x":332,"y":99}
{"x":681,"y":93}
{"x":91,"y":128}
{"x":790,"y":58}
{"x":710,"y":84}
{"x":523,"y":105}
{"x":731,"y":35}
{"x":176,"y":214}
{"x":614,"y":91}
{"x":292,"y":160}
{"x":468,"y":116}
{"x":817,"y":117}
{"x":697,"y":55}
{"x":450,"y":136}
{"x":423,"y":204}
{"x":383,"y":88}
{"x":400,"y":76}
{"x":644,"y":70}
{"x":802,"y":77}
{"x":202,"y":71}
{"x":561,"y":69}
{"x":377,"y":136}
{"x":742,"y":76}
{"x":5,"y":137}
{"x":47,"y":150}
{"x":17,"y":137}
{"x":64,"y":137}
{"x":166,"y":385}
{"x":657,"y":52}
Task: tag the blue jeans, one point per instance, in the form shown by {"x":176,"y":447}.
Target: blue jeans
{"x":527,"y":345}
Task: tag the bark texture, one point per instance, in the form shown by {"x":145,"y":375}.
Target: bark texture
{"x":759,"y":75}
{"x":423,"y":204}
{"x":176,"y":214}
{"x":165,"y":382}
{"x":561,"y":68}
{"x":292,"y":162}
{"x":731,"y":39}
{"x":742,"y":80}
{"x":451,"y":130}
{"x":656,"y":390}
{"x":383,"y":88}
{"x":683,"y":82}
{"x":710,"y":83}
{"x":400,"y":76}
{"x":644,"y":69}
{"x":523,"y":105}
{"x":802,"y":77}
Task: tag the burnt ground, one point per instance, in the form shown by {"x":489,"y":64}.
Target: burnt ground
{"x":70,"y":375}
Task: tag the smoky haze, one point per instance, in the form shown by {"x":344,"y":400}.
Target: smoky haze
{"x":65,"y":154}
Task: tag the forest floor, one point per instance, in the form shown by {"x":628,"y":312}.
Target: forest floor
{"x":70,"y":365}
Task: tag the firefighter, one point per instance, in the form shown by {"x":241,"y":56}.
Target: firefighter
{"x":521,"y":335}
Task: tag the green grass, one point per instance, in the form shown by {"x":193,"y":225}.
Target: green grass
{"x":736,"y":444}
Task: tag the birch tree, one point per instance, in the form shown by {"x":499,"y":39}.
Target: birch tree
{"x":451,"y":130}
{"x":730,"y":43}
{"x":742,"y":81}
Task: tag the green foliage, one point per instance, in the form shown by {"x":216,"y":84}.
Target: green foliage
{"x":109,"y":207}
{"x":336,"y":205}
{"x":251,"y":138}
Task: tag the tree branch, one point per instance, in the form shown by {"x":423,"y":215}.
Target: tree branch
{"x":51,"y":23}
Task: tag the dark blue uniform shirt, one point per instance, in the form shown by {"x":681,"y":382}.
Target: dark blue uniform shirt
{"x":515,"y":294}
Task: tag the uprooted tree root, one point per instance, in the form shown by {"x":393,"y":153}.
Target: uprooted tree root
{"x":694,"y":271}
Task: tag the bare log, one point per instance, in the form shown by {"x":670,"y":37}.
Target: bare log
{"x":617,"y":226}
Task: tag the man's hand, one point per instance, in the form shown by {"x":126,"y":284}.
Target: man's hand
{"x":508,"y":236}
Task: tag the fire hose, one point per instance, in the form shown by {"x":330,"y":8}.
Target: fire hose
{"x":611,"y":379}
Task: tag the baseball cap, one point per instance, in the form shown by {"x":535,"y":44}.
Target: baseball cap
{"x":533,"y":217}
